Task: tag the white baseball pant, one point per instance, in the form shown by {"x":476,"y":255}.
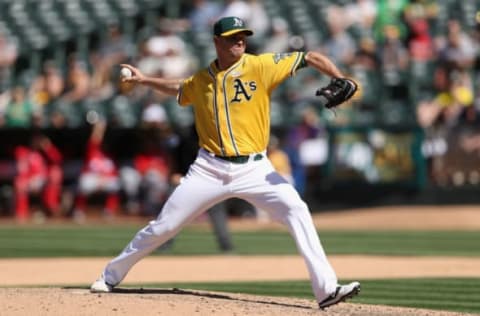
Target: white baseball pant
{"x":211,"y":180}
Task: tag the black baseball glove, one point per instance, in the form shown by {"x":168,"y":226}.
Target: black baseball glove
{"x":337,"y":91}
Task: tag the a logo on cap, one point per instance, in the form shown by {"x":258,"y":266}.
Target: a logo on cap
{"x":237,"y":22}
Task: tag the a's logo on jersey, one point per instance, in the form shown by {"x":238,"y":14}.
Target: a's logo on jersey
{"x":279,"y":56}
{"x":238,"y":22}
{"x":241,"y":89}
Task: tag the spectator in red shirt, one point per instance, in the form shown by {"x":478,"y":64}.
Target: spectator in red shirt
{"x":39,"y":171}
{"x":420,"y":44}
{"x":146,"y":182}
{"x":99,"y":175}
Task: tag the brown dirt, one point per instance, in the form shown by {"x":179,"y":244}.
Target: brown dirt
{"x":78,"y":302}
{"x":65,"y":297}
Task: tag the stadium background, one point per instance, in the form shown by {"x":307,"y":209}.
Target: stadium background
{"x":375,"y":148}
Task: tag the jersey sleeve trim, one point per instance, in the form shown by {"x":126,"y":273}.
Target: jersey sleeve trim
{"x":180,"y":94}
{"x":299,"y":63}
{"x":303,"y":62}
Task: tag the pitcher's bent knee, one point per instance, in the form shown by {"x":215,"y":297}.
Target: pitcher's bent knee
{"x":299,"y":206}
{"x":299,"y":209}
{"x":164,"y":227}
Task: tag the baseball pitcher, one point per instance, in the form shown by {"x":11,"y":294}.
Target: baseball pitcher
{"x":231,"y":102}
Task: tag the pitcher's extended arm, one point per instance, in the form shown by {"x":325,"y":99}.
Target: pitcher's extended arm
{"x":167,"y":86}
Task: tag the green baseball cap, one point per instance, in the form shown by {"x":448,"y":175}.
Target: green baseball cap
{"x":230,"y":25}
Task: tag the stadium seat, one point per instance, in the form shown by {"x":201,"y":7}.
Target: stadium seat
{"x":420,"y":80}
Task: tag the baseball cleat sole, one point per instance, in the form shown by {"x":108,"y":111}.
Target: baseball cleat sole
{"x":342,"y":293}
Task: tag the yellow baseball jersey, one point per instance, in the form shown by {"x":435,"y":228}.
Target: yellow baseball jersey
{"x":232,"y":106}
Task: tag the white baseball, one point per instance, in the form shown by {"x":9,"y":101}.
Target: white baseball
{"x":125,"y":72}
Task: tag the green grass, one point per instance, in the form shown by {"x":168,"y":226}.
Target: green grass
{"x":460,"y":295}
{"x":108,"y":241}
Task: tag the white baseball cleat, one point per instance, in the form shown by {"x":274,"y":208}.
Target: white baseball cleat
{"x":100,"y":286}
{"x":341,"y":294}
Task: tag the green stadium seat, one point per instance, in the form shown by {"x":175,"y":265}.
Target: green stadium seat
{"x":76,"y":15}
{"x":395,"y":112}
{"x":122,"y":112}
{"x":420,"y":78}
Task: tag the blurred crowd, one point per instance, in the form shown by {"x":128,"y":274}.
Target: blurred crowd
{"x":417,"y":63}
{"x":413,"y":59}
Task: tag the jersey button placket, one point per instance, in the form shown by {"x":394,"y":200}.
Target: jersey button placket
{"x":219,"y":105}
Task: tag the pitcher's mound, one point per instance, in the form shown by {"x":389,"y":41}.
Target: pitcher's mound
{"x":79,"y":301}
